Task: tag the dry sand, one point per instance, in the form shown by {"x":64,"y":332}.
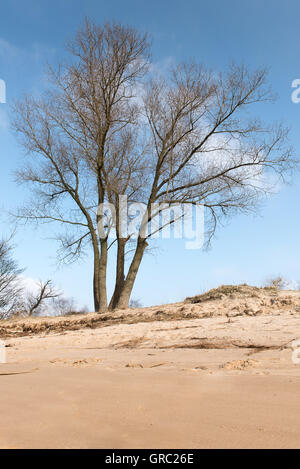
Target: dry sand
{"x":216,"y":373}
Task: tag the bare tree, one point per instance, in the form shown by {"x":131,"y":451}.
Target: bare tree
{"x":36,"y":301}
{"x":63,"y":306}
{"x":10,"y":287}
{"x":278,"y":283}
{"x":89,"y":114}
{"x":135,"y":303}
{"x":107,"y":128}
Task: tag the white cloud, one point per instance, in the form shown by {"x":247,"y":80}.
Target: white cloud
{"x":29,"y":284}
{"x":223,"y":152}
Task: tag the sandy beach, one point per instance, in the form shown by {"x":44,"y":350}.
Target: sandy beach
{"x":215,"y":380}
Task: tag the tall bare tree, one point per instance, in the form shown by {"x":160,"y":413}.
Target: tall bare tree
{"x":109,"y":127}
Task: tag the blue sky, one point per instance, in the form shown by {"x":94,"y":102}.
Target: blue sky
{"x":258,"y":33}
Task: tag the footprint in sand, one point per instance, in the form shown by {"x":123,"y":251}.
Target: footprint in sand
{"x":134,"y":365}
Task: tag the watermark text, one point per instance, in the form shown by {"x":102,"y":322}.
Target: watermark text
{"x":157,"y":221}
{"x":2,"y":92}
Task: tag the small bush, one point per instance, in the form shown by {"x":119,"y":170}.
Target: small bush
{"x":277,"y":283}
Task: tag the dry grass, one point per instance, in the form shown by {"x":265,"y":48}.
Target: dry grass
{"x":221,"y":292}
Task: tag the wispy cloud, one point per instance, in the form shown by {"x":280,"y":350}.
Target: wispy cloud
{"x":162,"y":67}
{"x":4,"y":119}
{"x":8,"y":50}
{"x":37,"y":52}
{"x":22,"y":69}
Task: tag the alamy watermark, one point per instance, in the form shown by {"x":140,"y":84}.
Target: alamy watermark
{"x":2,"y":92}
{"x":295,"y":96}
{"x":159,"y":220}
{"x":2,"y":352}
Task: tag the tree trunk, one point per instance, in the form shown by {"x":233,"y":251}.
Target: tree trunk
{"x":96,"y":292}
{"x":99,"y":283}
{"x":102,"y":278}
{"x":124,"y":297}
{"x":120,"y":274}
